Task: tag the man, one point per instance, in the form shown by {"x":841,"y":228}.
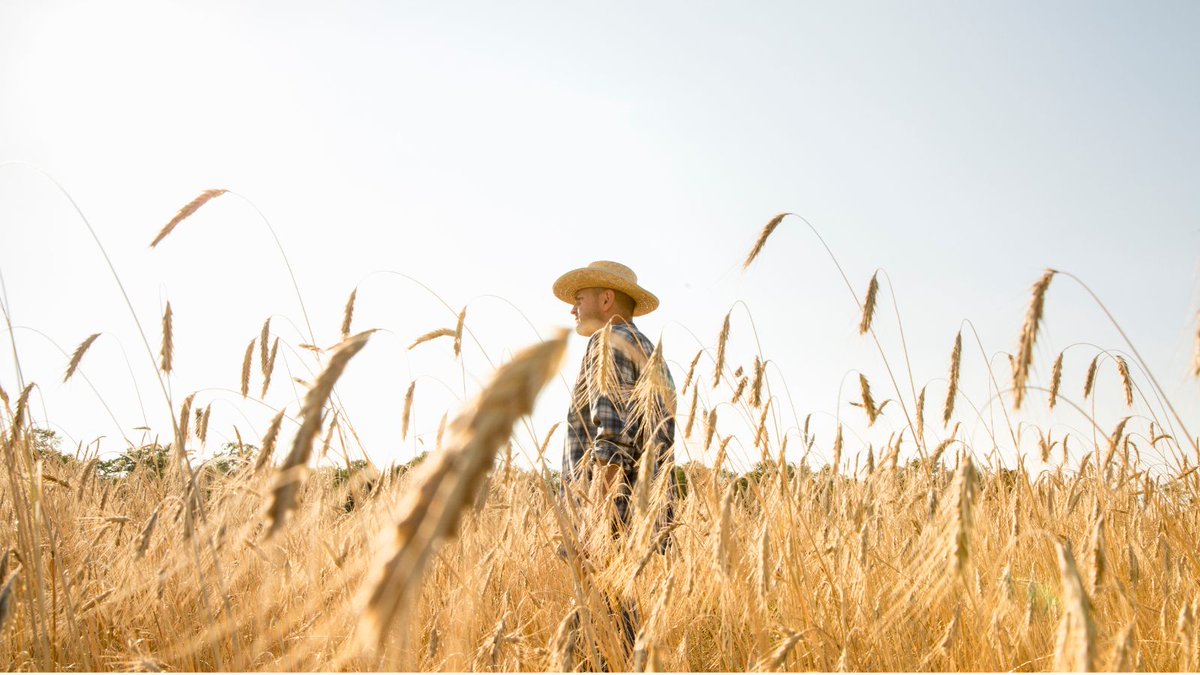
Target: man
{"x":623,"y":408}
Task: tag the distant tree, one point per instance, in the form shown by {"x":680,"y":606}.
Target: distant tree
{"x":232,"y":458}
{"x":151,"y":458}
{"x":46,"y":444}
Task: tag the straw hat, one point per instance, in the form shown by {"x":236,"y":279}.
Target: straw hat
{"x":606,"y":274}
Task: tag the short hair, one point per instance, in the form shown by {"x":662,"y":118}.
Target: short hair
{"x":624,"y":302}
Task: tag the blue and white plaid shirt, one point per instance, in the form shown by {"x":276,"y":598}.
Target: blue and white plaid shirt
{"x":603,"y":430}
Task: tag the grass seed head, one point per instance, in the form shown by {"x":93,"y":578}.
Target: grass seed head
{"x":762,"y":239}
{"x":168,"y":343}
{"x":1033,"y":319}
{"x":246,"y":361}
{"x":75,"y":358}
{"x":1056,"y":379}
{"x":868,"y":309}
{"x":952,"y":390}
{"x":188,"y":209}
{"x":718,"y":371}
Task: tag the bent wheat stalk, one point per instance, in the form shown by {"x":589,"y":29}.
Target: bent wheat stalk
{"x":78,"y":355}
{"x":448,"y":483}
{"x":188,"y":209}
{"x":291,"y":474}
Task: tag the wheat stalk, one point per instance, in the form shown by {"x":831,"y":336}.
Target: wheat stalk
{"x":22,"y":407}
{"x":458,"y":332}
{"x":246,"y":361}
{"x":837,"y":449}
{"x":348,"y":313}
{"x":1056,"y":379}
{"x":190,"y":208}
{"x":75,"y":358}
{"x":1126,"y":381}
{"x":1125,"y":650}
{"x":691,"y":371}
{"x":737,"y":392}
{"x":202,"y":428}
{"x":1096,"y":549}
{"x":1033,"y":318}
{"x":291,"y":473}
{"x":143,"y":540}
{"x":952,"y":390}
{"x":920,"y":421}
{"x":868,"y":310}
{"x":448,"y":483}
{"x":168,"y":345}
{"x":442,"y":428}
{"x":710,"y":428}
{"x":724,"y":337}
{"x":408,"y":401}
{"x":1090,"y":381}
{"x":270,"y":368}
{"x":181,"y":429}
{"x":756,"y":389}
{"x":687,"y":432}
{"x":434,"y":334}
{"x":776,"y":660}
{"x":1075,"y":648}
{"x":868,"y":403}
{"x":268,"y":441}
{"x":762,"y":240}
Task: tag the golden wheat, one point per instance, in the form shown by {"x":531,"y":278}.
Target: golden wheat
{"x":762,"y":239}
{"x":1033,"y":318}
{"x":188,"y":209}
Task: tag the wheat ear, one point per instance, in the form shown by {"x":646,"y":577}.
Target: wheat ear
{"x":724,"y":337}
{"x":268,"y":441}
{"x":1076,"y":648}
{"x":920,"y":422}
{"x":348,"y":313}
{"x":762,"y":239}
{"x":190,"y":208}
{"x":1126,"y":381}
{"x":868,"y":402}
{"x":433,"y":335}
{"x":408,"y":400}
{"x":75,"y":358}
{"x":756,"y":389}
{"x":1090,"y":380}
{"x":869,"y":305}
{"x":458,"y":332}
{"x":1056,"y":379}
{"x":168,"y":342}
{"x":1033,"y":318}
{"x":952,"y":390}
{"x":270,"y":367}
{"x":246,"y":361}
{"x":264,"y":339}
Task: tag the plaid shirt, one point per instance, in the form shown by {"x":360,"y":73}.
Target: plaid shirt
{"x":600,"y":429}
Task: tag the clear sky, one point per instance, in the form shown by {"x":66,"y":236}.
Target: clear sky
{"x":485,"y":148}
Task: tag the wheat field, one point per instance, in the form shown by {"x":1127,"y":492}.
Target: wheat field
{"x":918,"y":554}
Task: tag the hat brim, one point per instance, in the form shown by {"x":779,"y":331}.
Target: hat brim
{"x":570,"y":283}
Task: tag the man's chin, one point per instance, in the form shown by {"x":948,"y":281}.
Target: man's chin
{"x":587,"y":328}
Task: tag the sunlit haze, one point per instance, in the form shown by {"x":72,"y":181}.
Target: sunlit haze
{"x":442,"y":155}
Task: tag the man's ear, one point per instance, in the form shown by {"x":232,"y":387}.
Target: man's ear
{"x":608,"y":298}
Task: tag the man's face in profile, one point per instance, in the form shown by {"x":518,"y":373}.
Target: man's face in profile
{"x":589,"y":316}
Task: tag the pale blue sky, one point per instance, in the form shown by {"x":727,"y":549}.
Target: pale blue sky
{"x":486,"y":148}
